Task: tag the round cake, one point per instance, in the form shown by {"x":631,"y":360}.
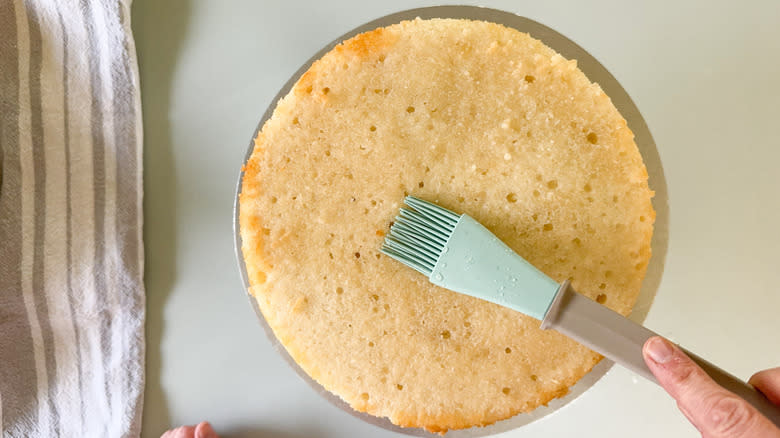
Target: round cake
{"x":483,"y":120}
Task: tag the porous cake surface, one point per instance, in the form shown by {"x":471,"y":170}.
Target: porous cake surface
{"x":483,"y":120}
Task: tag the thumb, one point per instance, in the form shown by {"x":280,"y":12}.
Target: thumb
{"x":716,"y":412}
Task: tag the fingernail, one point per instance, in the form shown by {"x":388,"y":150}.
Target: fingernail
{"x":659,"y":349}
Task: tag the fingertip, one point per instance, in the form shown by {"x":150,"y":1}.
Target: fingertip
{"x":180,"y":432}
{"x":763,"y":375}
{"x":204,"y":430}
{"x":768,"y":382}
{"x":658,"y":350}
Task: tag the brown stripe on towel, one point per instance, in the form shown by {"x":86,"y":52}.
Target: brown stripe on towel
{"x":17,"y":375}
{"x":39,"y":213}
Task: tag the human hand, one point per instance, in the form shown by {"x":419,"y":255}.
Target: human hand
{"x":714,"y":411}
{"x":202,"y":430}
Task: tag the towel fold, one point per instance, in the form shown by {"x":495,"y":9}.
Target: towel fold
{"x":71,"y":250}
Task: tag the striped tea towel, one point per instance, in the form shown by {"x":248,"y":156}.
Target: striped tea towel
{"x":71,"y":254}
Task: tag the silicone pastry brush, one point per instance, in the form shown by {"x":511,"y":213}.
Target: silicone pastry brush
{"x":458,"y":253}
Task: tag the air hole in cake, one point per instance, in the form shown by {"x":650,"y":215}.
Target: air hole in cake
{"x":529,"y":78}
{"x":330,"y":254}
{"x":325,"y":90}
{"x":327,"y":153}
{"x":381,"y":58}
{"x":345,"y":66}
{"x":534,"y":377}
{"x":576,"y":241}
{"x":375,"y":297}
{"x":370,"y":344}
{"x":511,"y":198}
{"x":364,"y":396}
{"x":507,"y":350}
{"x":601,"y":298}
{"x":615,"y":199}
{"x":603,"y":286}
{"x":534,"y":217}
{"x":266,"y":231}
{"x":537,"y":193}
{"x":339,"y":290}
{"x":372,"y":128}
{"x":399,"y":387}
{"x":587,"y":188}
{"x":446,"y":334}
{"x":592,"y":138}
{"x":547,"y":227}
{"x":295,"y":121}
{"x":273,"y":199}
{"x":552,"y":185}
{"x":420,"y":184}
{"x":641,"y":218}
{"x":357,"y":255}
{"x":410,"y":109}
{"x":506,"y":391}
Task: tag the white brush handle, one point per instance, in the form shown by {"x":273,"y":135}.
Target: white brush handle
{"x":621,"y":340}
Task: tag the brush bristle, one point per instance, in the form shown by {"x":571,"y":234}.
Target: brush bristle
{"x":420,"y":234}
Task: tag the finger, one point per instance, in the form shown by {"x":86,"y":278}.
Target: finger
{"x":180,"y":432}
{"x":717,"y":413}
{"x":204,"y":430}
{"x":768,"y":382}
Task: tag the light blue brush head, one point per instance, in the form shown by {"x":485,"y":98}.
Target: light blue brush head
{"x":458,"y":253}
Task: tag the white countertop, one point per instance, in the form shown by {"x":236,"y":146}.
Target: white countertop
{"x":705,"y":76}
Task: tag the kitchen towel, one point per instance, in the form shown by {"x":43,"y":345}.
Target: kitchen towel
{"x":71,"y":251}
